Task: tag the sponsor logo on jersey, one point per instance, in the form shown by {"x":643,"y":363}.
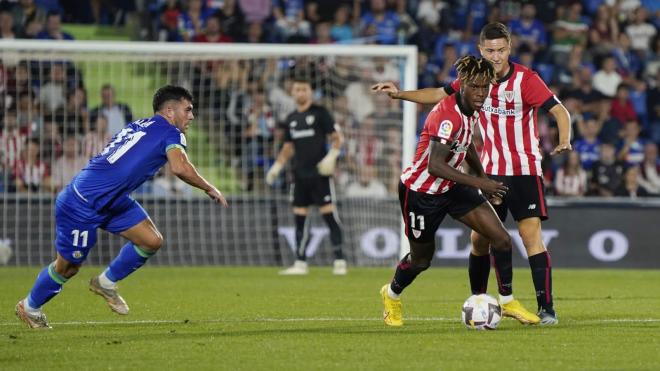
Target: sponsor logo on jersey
{"x":310,"y":119}
{"x":297,"y":134}
{"x":498,"y":110}
{"x":445,"y":129}
{"x":508,"y":95}
{"x":456,"y":147}
{"x":183,"y":140}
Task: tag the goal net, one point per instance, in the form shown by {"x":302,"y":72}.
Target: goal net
{"x":62,"y":101}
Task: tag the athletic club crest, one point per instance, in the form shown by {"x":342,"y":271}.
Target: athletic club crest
{"x":309,"y":119}
{"x":508,"y":95}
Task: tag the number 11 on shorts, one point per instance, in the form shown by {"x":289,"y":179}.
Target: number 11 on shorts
{"x":77,"y":235}
{"x":419,"y":218}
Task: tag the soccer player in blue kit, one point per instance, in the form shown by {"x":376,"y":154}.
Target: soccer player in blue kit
{"x":99,"y":197}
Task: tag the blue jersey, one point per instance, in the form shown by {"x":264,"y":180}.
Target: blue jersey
{"x":133,"y":156}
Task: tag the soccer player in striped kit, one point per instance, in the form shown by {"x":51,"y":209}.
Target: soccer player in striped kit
{"x":434,"y":186}
{"x":511,"y":154}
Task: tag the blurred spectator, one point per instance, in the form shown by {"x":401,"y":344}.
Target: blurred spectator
{"x":407,"y":26}
{"x":31,"y":173}
{"x":630,"y":186}
{"x":256,"y":11}
{"x":322,"y":34}
{"x":212,"y":33}
{"x":6,"y":25}
{"x":290,"y":21}
{"x":380,"y":23}
{"x":589,"y":100}
{"x":27,"y":116}
{"x":52,"y":95}
{"x":31,"y":29}
{"x":571,"y":179}
{"x":426,"y":72}
{"x":11,"y":141}
{"x":53,"y":29}
{"x":341,"y":30}
{"x":169,"y":22}
{"x":650,"y":169}
{"x":117,"y":113}
{"x":607,"y":79}
{"x":607,"y":173}
{"x":258,"y":136}
{"x":528,"y":30}
{"x":166,"y":184}
{"x":631,"y":147}
{"x":67,"y":165}
{"x":384,"y":69}
{"x":367,"y":186}
{"x":627,"y":60}
{"x":604,"y":31}
{"x":653,"y":108}
{"x":588,"y":147}
{"x":640,"y":31}
{"x":96,"y":138}
{"x":19,"y":82}
{"x":26,"y":11}
{"x":193,"y":20}
{"x":570,"y":30}
{"x":622,"y":108}
{"x":51,"y":139}
{"x":429,"y":13}
{"x":75,"y":117}
{"x":255,"y":33}
{"x":447,"y":72}
{"x":232,"y":20}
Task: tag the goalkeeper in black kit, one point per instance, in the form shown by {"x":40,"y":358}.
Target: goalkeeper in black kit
{"x":307,"y":132}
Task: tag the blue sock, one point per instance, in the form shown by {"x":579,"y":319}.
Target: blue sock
{"x":130,"y":258}
{"x":48,"y":284}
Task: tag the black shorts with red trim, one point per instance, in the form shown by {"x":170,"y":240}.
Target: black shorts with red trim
{"x":525,"y":197}
{"x":423,"y":212}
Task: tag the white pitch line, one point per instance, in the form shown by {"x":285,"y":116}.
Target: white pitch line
{"x":314,"y":319}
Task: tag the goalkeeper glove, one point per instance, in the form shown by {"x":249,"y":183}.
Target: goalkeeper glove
{"x":326,"y":166}
{"x":273,"y":173}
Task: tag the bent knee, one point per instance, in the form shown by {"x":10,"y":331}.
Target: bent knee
{"x":502,"y":243}
{"x":153,"y":243}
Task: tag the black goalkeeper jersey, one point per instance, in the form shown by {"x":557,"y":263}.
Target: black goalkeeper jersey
{"x":308,"y":132}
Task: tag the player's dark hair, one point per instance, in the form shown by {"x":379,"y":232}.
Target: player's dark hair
{"x":471,"y":67}
{"x":302,"y":80}
{"x":494,"y":30}
{"x":168,"y":93}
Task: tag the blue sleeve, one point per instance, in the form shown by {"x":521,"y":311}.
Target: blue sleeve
{"x":175,"y":139}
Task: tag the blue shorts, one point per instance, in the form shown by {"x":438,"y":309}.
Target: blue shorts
{"x":76,"y":223}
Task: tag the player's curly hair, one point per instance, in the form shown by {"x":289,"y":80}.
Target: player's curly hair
{"x":471,"y":67}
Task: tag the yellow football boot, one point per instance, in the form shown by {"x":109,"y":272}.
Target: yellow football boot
{"x":392,"y":312}
{"x":515,"y":310}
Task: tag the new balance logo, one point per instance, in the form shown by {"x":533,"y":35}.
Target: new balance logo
{"x":531,"y":207}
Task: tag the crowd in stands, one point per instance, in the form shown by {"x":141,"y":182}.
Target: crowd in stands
{"x":600,"y":57}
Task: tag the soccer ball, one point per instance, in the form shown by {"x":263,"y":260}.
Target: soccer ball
{"x":481,"y":312}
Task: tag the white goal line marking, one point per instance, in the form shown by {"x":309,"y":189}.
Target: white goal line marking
{"x":312,"y":319}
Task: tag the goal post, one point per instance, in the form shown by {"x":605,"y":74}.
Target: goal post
{"x":241,"y":96}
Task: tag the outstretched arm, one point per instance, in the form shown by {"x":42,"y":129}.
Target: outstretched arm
{"x":185,"y":170}
{"x":563,"y":118}
{"x":424,"y":96}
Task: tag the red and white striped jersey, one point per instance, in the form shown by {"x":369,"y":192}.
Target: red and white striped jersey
{"x":448,"y":124}
{"x":508,"y":122}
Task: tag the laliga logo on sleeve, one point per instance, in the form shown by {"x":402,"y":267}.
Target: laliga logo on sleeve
{"x":445,"y":129}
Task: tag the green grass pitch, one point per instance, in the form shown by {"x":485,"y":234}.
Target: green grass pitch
{"x":253,"y":319}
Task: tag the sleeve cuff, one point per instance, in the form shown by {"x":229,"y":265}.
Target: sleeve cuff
{"x":175,"y":146}
{"x":550,"y":102}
